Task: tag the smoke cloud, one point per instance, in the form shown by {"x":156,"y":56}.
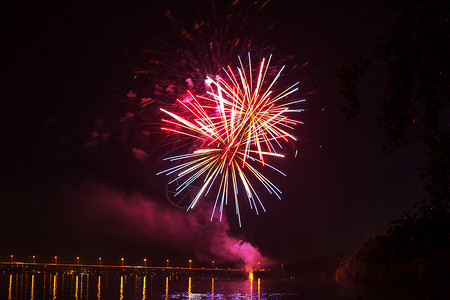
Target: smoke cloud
{"x":135,"y":216}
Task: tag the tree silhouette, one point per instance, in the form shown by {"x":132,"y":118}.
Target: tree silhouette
{"x":416,"y":101}
{"x":415,"y":105}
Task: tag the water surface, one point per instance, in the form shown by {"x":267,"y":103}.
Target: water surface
{"x":88,"y":286}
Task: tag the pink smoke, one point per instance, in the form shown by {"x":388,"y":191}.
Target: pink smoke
{"x":135,"y":216}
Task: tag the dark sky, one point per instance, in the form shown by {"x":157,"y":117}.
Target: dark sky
{"x":64,"y":60}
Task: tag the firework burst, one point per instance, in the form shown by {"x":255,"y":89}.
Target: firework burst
{"x":235,"y":126}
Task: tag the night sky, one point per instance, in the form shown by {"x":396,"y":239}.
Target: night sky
{"x":64,"y":61}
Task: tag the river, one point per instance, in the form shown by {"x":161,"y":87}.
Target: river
{"x":86,"y":286}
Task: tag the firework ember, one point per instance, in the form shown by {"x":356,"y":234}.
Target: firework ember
{"x":241,"y":121}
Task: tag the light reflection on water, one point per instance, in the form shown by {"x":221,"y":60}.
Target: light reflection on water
{"x":99,"y":288}
{"x":123,"y":287}
{"x":10,"y":287}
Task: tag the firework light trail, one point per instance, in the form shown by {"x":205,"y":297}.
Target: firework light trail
{"x":235,"y":126}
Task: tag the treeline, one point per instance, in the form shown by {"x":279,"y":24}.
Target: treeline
{"x":318,"y":269}
{"x":415,"y":249}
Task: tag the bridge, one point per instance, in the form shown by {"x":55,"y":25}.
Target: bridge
{"x":33,"y":268}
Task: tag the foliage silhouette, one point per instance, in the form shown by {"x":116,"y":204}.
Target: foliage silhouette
{"x":415,"y":51}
